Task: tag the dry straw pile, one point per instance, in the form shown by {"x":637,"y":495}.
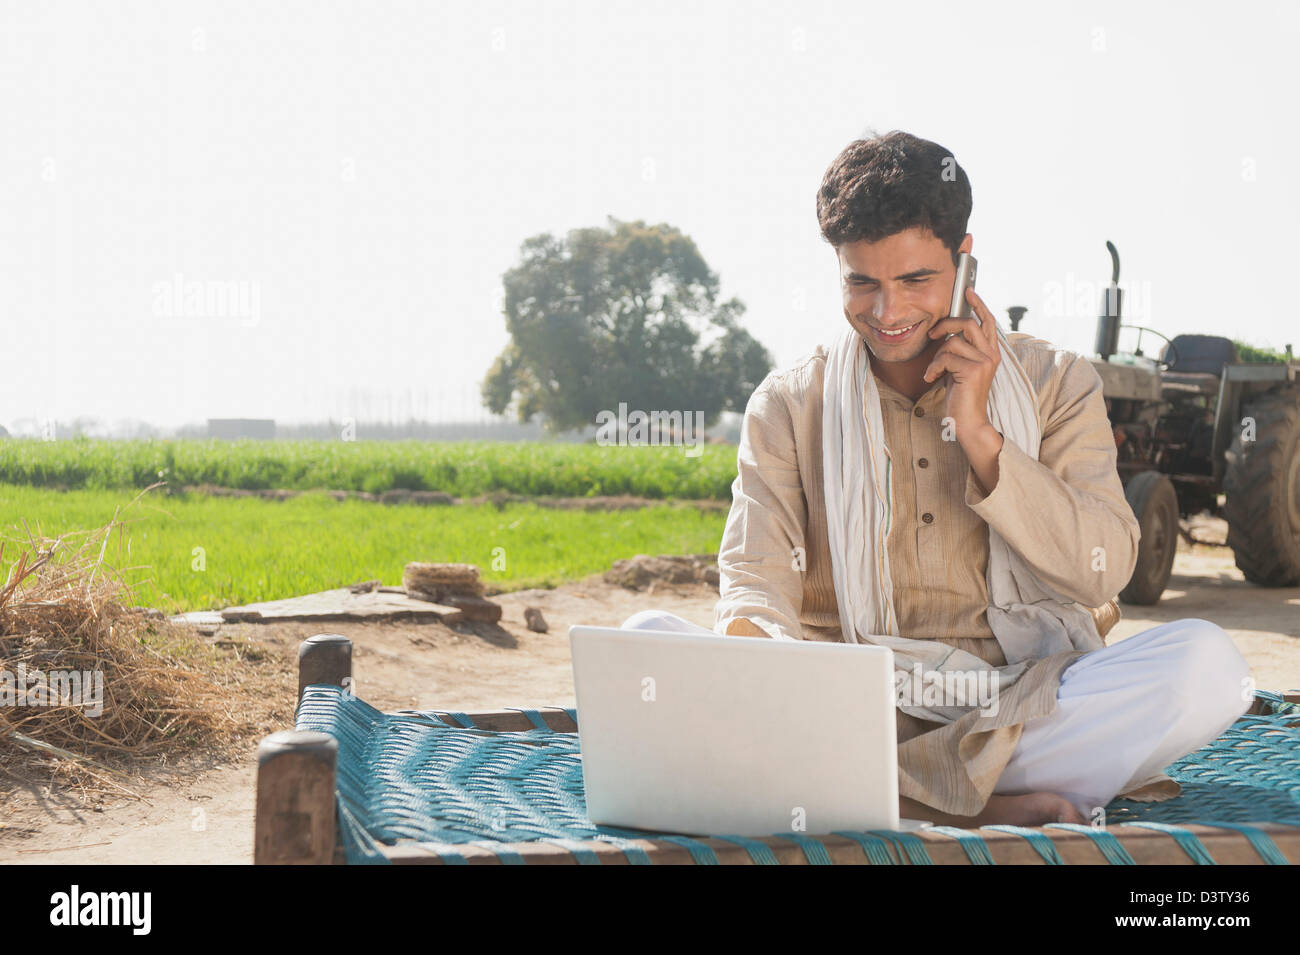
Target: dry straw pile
{"x":63,"y":611}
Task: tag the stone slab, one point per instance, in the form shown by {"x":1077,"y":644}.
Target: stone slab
{"x":338,"y":604}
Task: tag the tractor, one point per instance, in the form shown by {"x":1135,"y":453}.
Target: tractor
{"x":1194,"y":424}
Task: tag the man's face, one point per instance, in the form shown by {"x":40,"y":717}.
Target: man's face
{"x":902,"y":280}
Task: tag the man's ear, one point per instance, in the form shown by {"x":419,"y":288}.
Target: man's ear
{"x":966,"y":243}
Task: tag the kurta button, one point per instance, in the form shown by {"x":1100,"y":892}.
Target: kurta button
{"x":920,"y":412}
{"x":928,"y":517}
{"x":923,"y":463}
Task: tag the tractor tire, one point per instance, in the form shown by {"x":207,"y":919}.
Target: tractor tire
{"x":1155,"y":504}
{"x":1262,"y":489}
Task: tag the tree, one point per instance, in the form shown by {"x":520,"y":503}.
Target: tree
{"x":616,"y":314}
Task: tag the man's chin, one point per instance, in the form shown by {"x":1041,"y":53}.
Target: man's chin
{"x":894,"y":355}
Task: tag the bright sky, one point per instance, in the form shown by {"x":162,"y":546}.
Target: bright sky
{"x":357,"y":176}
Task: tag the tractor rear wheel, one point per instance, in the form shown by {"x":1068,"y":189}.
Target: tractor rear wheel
{"x":1155,"y":504}
{"x":1262,"y":487}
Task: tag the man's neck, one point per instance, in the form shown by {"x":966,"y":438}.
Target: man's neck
{"x":905,"y":377}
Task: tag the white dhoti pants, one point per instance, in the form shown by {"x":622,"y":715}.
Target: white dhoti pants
{"x":1123,"y":713}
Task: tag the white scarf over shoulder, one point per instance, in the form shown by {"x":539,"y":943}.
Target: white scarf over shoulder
{"x":1029,"y":619}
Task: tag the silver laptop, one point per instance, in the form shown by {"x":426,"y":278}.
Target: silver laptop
{"x":708,"y":734}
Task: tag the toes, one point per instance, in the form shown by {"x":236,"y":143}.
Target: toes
{"x":1069,"y":814}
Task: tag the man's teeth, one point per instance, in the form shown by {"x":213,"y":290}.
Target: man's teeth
{"x":900,"y":332}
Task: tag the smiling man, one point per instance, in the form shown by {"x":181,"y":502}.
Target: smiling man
{"x":978,"y":469}
{"x":903,"y":317}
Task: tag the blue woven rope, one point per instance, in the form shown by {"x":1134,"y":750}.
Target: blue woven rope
{"x":435,"y":779}
{"x":1105,"y":841}
{"x":912,"y":846}
{"x":635,"y":854}
{"x":876,"y":848}
{"x":971,"y":843}
{"x":700,"y":853}
{"x":1188,"y":842}
{"x":760,"y":853}
{"x":1251,"y":773}
{"x":461,"y":718}
{"x":623,"y":839}
{"x":568,"y":711}
{"x":358,"y":847}
{"x":814,"y":851}
{"x":1039,"y":842}
{"x":1258,"y":838}
{"x":584,"y":855}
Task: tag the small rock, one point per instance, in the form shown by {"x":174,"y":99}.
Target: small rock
{"x":364,"y":587}
{"x":637,"y":573}
{"x":474,"y":608}
{"x":536,"y":622}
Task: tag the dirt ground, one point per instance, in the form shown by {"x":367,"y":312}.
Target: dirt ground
{"x":199,"y":812}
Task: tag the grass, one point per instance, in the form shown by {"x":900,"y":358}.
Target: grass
{"x":460,"y":468}
{"x":196,"y":552}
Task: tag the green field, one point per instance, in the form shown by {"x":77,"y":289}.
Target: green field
{"x":253,"y":549}
{"x":460,"y":468}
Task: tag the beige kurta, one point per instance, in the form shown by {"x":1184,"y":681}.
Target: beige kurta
{"x":775,"y":563}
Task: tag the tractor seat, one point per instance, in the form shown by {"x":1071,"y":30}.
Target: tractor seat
{"x":1197,"y":363}
{"x":1199,"y":354}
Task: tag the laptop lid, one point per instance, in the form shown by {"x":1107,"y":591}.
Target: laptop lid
{"x":709,"y":734}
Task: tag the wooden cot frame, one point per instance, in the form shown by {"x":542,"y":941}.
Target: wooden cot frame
{"x":296,"y":813}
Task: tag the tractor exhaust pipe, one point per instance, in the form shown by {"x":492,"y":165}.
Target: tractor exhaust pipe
{"x":1108,"y":323}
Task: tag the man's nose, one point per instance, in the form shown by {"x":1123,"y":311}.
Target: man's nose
{"x":887,"y":308}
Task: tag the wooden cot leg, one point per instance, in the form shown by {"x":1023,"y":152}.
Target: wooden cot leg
{"x":295,"y":817}
{"x":325,"y":658}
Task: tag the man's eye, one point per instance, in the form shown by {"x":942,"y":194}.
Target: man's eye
{"x":917,"y":281}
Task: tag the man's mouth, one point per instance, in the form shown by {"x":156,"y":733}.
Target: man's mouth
{"x":898,"y":335}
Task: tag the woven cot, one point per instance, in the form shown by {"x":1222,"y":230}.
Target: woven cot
{"x":454,"y":788}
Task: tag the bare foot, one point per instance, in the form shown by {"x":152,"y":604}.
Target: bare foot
{"x":1029,"y":809}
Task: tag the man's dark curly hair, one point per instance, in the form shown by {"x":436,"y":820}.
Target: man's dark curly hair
{"x":880,"y":186}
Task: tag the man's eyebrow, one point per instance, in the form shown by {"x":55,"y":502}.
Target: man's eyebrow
{"x":915,"y":274}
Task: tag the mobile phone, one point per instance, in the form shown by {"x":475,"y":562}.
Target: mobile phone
{"x":959,"y":307}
